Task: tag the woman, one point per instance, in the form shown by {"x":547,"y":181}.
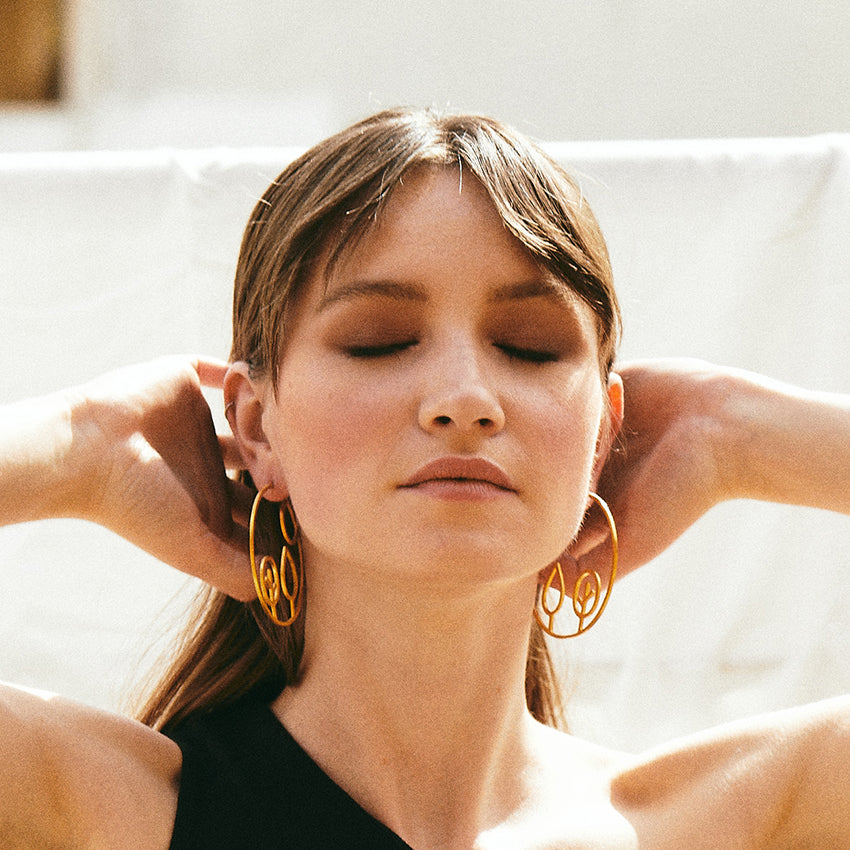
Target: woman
{"x":424,"y":331}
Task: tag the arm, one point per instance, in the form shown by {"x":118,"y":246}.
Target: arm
{"x":136,"y":452}
{"x":74,"y":776}
{"x":785,"y":444}
{"x":695,"y":435}
{"x":774,"y":781}
{"x":36,"y":447}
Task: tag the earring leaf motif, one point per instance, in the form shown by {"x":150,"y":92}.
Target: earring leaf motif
{"x":270,"y":580}
{"x":588,"y":601}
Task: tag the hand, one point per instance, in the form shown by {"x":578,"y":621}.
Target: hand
{"x":155,"y":469}
{"x":663,"y":471}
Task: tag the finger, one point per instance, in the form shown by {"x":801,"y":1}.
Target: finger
{"x":192,"y":457}
{"x":225,"y":565}
{"x":593,"y":547}
{"x":211,"y":371}
{"x":230,"y":453}
{"x":593,"y":533}
{"x":208,"y":472}
{"x":241,"y":502}
{"x":600,"y":560}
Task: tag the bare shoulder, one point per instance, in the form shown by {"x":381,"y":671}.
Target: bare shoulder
{"x":777,"y":780}
{"x":82,"y":777}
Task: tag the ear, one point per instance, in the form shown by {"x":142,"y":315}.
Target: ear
{"x":612,"y":421}
{"x":246,"y":399}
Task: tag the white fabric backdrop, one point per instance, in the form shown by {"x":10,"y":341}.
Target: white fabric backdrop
{"x":736,"y":251}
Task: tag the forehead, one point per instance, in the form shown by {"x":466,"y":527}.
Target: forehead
{"x":432,"y":206}
{"x":439,"y":221}
{"x":438,"y":242}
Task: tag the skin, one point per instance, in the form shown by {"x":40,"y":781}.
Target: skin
{"x":439,"y":339}
{"x":412,"y":691}
{"x":429,"y":339}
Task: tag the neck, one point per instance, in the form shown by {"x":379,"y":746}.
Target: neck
{"x":416,"y":704}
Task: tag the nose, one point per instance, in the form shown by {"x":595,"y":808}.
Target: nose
{"x":458,"y":397}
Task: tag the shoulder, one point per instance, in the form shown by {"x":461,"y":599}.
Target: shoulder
{"x":81,"y":776}
{"x":777,"y":780}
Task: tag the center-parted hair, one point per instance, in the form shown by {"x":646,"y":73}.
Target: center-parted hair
{"x":319,"y":207}
{"x":329,"y":197}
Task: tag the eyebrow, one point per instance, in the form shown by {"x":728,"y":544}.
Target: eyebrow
{"x":403,"y":291}
{"x":535,"y":288}
{"x":392,"y":289}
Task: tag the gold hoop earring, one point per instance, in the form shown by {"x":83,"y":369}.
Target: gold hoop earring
{"x":270,"y":580}
{"x":588,"y":602}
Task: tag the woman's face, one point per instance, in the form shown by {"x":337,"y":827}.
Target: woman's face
{"x":439,"y":405}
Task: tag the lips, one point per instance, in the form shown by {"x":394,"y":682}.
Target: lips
{"x":461,"y":469}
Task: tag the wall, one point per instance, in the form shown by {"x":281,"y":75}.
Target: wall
{"x":268,"y":72}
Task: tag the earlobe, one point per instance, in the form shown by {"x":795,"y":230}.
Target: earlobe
{"x":245,"y":399}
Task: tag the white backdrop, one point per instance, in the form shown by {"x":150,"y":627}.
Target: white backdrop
{"x":735,"y":251}
{"x":259,"y":72}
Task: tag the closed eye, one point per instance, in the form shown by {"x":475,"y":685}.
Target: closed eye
{"x":375,"y":351}
{"x":528,"y":355}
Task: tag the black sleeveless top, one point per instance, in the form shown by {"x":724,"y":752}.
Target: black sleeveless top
{"x":246,"y":783}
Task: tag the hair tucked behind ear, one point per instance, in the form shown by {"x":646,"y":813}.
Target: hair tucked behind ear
{"x":325,"y":201}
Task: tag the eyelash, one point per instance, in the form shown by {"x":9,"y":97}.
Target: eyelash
{"x":367,"y":352}
{"x":526,"y":355}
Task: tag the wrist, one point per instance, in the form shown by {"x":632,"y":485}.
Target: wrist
{"x":37,"y":439}
{"x":713,"y":426}
{"x":85,"y":462}
{"x":770,"y":442}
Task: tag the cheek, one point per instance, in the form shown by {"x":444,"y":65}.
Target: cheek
{"x":331,"y":434}
{"x":565,"y":437}
{"x":323,"y":421}
{"x":567,"y":416}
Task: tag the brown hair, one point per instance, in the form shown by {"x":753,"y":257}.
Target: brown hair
{"x":326,"y":200}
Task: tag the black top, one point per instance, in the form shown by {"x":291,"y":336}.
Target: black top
{"x":245,"y":782}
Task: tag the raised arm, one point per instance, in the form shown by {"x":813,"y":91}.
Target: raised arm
{"x":136,"y":452}
{"x":696,"y":434}
{"x":785,"y":444}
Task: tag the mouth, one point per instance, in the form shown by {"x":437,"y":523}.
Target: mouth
{"x":469,"y":472}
